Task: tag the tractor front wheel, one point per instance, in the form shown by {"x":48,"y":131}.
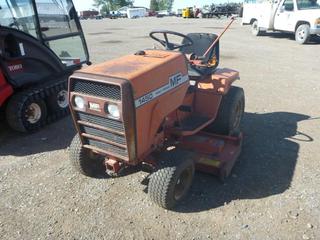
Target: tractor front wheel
{"x":84,"y":160}
{"x":172,"y":181}
{"x":26,"y":112}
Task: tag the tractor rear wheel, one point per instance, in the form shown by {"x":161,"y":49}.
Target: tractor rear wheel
{"x":84,"y":160}
{"x":26,"y":112}
{"x":230,"y":113}
{"x":172,"y":181}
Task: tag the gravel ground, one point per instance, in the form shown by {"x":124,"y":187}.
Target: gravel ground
{"x":273,"y":192}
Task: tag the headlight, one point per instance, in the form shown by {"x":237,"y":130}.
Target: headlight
{"x":114,"y":111}
{"x":318,"y":21}
{"x":79,"y":102}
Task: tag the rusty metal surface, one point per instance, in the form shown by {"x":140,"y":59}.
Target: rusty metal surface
{"x":214,"y":154}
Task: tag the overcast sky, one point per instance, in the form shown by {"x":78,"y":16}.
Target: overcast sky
{"x":87,"y":4}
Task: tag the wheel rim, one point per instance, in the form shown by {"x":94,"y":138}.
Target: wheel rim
{"x":183,"y":183}
{"x":301,"y":34}
{"x":254,"y":28}
{"x":62,"y":99}
{"x":33,"y":113}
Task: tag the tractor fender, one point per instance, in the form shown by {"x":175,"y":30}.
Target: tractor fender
{"x":5,"y":89}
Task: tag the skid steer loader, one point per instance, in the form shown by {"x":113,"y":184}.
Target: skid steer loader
{"x":173,"y":111}
{"x":41,"y":45}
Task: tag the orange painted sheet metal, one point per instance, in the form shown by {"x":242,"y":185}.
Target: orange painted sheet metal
{"x":220,"y":81}
{"x":145,"y":72}
{"x":151,"y":115}
{"x":213,"y":154}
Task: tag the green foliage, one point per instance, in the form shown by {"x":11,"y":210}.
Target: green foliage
{"x":104,"y":10}
{"x":111,"y":5}
{"x":154,"y":5}
{"x":157,"y":5}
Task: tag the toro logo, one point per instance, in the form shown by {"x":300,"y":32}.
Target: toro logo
{"x":15,"y":67}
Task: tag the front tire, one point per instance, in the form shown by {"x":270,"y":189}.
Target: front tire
{"x":255,"y":30}
{"x":83,"y":159}
{"x":302,"y":34}
{"x":26,"y":112}
{"x":171,"y":182}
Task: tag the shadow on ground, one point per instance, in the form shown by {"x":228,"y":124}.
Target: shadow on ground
{"x":53,"y":137}
{"x":265,"y":168}
{"x":314,"y":40}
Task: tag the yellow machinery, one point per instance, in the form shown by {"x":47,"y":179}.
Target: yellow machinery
{"x":188,"y":12}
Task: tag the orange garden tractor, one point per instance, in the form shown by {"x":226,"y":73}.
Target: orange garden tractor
{"x":173,"y":111}
{"x":41,"y":45}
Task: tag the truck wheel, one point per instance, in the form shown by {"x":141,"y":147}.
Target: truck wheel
{"x":172,"y":181}
{"x":303,"y":34}
{"x":84,"y":160}
{"x":255,"y":30}
{"x":26,"y":112}
{"x":230,"y":113}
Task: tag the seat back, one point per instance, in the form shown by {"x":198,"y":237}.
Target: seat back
{"x":201,"y":43}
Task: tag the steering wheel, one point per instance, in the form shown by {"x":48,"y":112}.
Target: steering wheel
{"x":166,"y":43}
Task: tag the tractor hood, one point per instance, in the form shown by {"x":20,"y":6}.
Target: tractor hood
{"x":148,"y":70}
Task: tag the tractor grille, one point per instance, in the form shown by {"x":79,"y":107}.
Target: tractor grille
{"x":96,"y":89}
{"x":101,"y":121}
{"x":103,"y":134}
{"x":113,"y":125}
{"x":107,"y":147}
{"x":111,"y":137}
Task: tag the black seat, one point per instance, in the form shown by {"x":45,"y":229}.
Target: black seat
{"x":201,"y":42}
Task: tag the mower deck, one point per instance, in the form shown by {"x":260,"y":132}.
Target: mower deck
{"x":214,"y":154}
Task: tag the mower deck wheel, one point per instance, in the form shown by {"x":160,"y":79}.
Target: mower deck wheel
{"x":26,"y":112}
{"x":171,"y":182}
{"x":84,"y":160}
{"x":230,"y":113}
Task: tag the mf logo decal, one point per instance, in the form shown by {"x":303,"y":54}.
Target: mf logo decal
{"x":174,"y":81}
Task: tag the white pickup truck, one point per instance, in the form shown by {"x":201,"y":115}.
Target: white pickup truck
{"x":301,"y":17}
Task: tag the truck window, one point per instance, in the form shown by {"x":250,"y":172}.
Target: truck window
{"x":288,"y":5}
{"x":307,"y":4}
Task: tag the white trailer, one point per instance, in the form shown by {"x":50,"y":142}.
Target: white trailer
{"x":136,"y":12}
{"x":301,"y":17}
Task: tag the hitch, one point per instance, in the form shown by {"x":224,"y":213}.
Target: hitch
{"x":113,"y":167}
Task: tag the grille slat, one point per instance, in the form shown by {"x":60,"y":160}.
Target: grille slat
{"x":107,"y":147}
{"x":96,"y":89}
{"x":103,"y":134}
{"x":104,"y":122}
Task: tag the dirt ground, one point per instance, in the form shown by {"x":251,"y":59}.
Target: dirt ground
{"x":273,"y":192}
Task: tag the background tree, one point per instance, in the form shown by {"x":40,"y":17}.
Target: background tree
{"x":112,"y":5}
{"x":154,"y":5}
{"x":157,"y":5}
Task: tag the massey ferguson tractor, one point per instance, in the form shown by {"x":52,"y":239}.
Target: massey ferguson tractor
{"x":173,"y":111}
{"x":41,"y":45}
